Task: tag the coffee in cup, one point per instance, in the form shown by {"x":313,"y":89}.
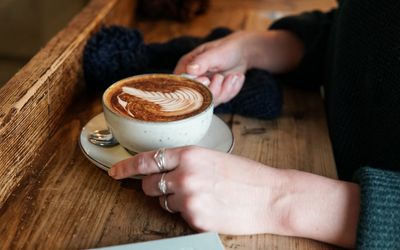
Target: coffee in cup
{"x":147,"y":112}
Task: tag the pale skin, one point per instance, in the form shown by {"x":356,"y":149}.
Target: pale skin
{"x":215,"y":191}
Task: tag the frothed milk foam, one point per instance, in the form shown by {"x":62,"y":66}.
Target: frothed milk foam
{"x":158,"y":98}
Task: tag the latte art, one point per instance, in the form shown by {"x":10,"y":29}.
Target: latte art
{"x":158,"y":98}
{"x":182,"y":101}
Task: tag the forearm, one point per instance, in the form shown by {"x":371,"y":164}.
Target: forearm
{"x":276,"y":51}
{"x":322,"y":209}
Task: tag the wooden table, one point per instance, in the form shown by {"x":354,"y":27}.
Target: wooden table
{"x":52,"y":197}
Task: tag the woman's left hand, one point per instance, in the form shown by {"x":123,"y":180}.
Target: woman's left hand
{"x":213,"y":191}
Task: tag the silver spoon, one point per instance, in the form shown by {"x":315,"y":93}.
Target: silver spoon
{"x":102,"y":138}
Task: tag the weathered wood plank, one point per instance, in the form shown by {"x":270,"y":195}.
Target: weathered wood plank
{"x":34,"y":101}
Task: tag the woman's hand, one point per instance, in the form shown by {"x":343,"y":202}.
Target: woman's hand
{"x":213,"y":190}
{"x":221,"y":64}
{"x":229,"y":194}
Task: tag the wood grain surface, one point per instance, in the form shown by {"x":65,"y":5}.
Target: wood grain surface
{"x":34,"y":101}
{"x":52,"y":197}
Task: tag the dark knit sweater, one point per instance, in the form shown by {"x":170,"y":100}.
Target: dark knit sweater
{"x":354,"y":51}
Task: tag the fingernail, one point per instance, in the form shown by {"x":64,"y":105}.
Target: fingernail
{"x":235,"y":79}
{"x":193,"y":67}
{"x":204,"y":81}
{"x":188,"y":76}
{"x":112,"y":172}
{"x":221,"y":77}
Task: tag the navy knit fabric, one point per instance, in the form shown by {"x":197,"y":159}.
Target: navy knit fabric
{"x":380,"y":213}
{"x":112,"y":54}
{"x":117,"y":52}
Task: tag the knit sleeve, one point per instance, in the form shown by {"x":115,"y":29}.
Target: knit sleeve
{"x":313,"y":29}
{"x":379,"y":222}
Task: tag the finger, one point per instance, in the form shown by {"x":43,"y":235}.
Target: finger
{"x":170,"y":203}
{"x":204,"y":80}
{"x":227,"y":86}
{"x":151,"y":184}
{"x":144,"y":163}
{"x":231,"y":87}
{"x":215,"y":87}
{"x":238,"y":86}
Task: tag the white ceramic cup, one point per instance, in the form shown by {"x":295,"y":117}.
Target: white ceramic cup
{"x":138,"y":136}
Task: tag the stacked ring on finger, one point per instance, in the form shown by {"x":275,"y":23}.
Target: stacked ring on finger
{"x":162,"y":184}
{"x":166,"y":207}
{"x":159,"y":158}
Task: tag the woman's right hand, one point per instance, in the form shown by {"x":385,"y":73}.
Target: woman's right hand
{"x":219,"y":64}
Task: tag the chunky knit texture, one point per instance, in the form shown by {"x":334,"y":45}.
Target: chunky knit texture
{"x":117,"y":52}
{"x":355,"y":52}
{"x":380,"y":216}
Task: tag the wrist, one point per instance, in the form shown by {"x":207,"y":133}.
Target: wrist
{"x":327,"y":210}
{"x":255,"y":46}
{"x":276,"y":51}
{"x":247,"y":42}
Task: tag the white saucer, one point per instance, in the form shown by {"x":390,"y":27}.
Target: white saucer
{"x":219,"y":137}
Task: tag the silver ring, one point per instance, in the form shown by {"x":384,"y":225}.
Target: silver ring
{"x":159,"y":158}
{"x":162,"y":184}
{"x":166,"y":205}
